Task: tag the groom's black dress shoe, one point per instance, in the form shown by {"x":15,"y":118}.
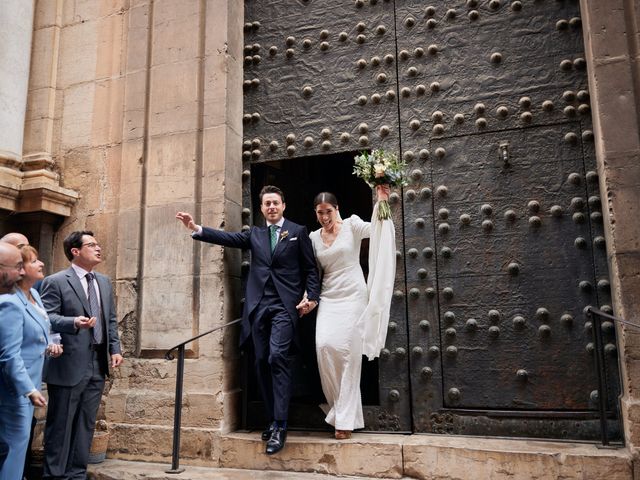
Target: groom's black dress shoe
{"x":266,"y":435}
{"x":277,"y":440}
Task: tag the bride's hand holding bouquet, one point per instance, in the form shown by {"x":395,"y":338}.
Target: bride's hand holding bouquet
{"x":381,"y":170}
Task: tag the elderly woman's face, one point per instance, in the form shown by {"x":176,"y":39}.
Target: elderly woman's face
{"x":33,"y":269}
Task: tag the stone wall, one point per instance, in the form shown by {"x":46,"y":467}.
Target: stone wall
{"x":181,"y":131}
{"x":136,"y":105}
{"x":611,"y":32}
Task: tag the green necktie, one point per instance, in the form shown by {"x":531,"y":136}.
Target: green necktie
{"x":273,"y":231}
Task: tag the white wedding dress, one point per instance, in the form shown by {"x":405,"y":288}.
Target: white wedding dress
{"x":339,"y":331}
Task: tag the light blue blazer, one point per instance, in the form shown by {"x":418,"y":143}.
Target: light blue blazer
{"x":24,"y":336}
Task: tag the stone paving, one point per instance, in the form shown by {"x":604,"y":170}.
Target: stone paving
{"x":122,"y":470}
{"x":365,"y":456}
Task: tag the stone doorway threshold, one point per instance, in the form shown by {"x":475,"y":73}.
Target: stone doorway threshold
{"x":424,"y":457}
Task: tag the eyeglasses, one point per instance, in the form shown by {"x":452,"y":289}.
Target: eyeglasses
{"x":91,"y":245}
{"x":18,"y":266}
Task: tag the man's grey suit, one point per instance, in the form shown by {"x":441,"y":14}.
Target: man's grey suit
{"x":76,"y":379}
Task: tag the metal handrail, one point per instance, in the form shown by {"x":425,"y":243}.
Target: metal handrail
{"x":177,"y":415}
{"x":596,"y":316}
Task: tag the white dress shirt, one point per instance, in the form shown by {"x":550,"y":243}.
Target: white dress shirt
{"x":81,"y":272}
{"x":279,"y":229}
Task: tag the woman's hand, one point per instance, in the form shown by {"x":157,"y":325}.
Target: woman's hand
{"x":187,"y":220}
{"x":37,"y":399}
{"x":306,"y":306}
{"x":382,"y":192}
{"x":54,"y":350}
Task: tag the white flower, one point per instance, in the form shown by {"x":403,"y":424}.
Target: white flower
{"x":380,"y":170}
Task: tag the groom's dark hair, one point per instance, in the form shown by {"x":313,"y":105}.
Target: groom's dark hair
{"x":271,"y":189}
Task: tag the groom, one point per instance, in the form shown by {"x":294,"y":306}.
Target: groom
{"x":282,"y":268}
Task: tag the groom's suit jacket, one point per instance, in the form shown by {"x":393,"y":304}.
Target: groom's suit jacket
{"x":292,"y":267}
{"x":64,"y":298}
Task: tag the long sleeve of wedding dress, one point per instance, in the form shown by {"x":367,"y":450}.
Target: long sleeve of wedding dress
{"x":382,"y":272}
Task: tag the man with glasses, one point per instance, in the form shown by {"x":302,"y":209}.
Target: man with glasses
{"x":82,"y":309}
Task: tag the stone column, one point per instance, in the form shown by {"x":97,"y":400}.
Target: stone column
{"x":26,"y":185}
{"x":182,"y":137}
{"x":612,"y":33}
{"x":16,"y":25}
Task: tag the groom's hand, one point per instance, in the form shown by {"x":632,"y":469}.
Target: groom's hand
{"x":187,"y":220}
{"x":306,"y":306}
{"x":302,"y":306}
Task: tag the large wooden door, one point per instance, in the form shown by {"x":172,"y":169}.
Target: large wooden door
{"x":499,"y":231}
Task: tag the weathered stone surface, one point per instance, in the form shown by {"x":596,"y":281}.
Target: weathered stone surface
{"x":154,"y":443}
{"x":121,"y":470}
{"x":86,"y":10}
{"x":423,"y":457}
{"x":631,"y":416}
{"x":615,"y":76}
{"x":610,"y":34}
{"x":107,"y":127}
{"x":624,"y":201}
{"x":174,"y":98}
{"x":153,"y":407}
{"x":604,"y":20}
{"x":78,"y":39}
{"x":444,"y":458}
{"x":46,"y":15}
{"x":171,"y":170}
{"x":368,"y":455}
{"x":77,"y":116}
{"x":16,"y":19}
{"x":45,"y":55}
{"x":137,"y":38}
{"x":176,"y":31}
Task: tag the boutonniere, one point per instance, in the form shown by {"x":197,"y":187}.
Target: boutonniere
{"x":284,"y":235}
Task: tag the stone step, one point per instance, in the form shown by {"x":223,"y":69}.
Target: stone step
{"x":426,"y":457}
{"x":123,"y":470}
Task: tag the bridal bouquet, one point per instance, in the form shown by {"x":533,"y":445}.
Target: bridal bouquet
{"x":380,"y":168}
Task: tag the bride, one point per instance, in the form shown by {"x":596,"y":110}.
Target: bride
{"x":342,"y":312}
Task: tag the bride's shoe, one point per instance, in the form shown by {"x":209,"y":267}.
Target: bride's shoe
{"x":343,"y":434}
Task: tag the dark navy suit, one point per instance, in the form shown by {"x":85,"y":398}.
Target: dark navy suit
{"x":276,"y":284}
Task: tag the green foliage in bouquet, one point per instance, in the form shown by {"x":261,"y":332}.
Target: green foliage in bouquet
{"x":381,"y":168}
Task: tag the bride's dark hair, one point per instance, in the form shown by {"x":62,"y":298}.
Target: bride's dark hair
{"x":325,"y":197}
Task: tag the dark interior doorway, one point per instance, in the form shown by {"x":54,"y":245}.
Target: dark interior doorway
{"x":301,"y":179}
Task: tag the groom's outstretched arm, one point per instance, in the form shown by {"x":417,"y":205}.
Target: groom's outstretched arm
{"x":227,"y":239}
{"x":211,"y":235}
{"x":309,"y":267}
